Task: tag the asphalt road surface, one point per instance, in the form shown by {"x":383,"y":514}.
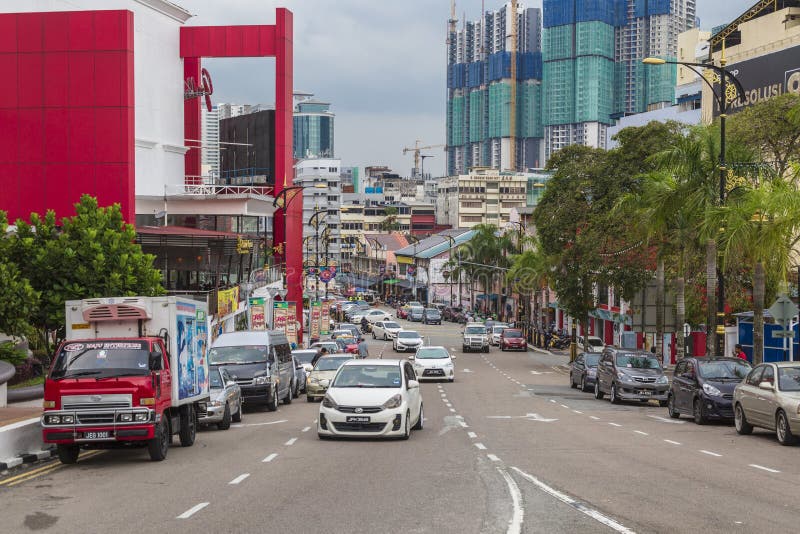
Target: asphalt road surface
{"x":507,"y":447}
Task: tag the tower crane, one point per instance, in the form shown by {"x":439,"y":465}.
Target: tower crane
{"x":416,"y":149}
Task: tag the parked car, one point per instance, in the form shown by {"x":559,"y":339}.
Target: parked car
{"x":307,"y":357}
{"x":372,"y":398}
{"x":356,"y":310}
{"x":331,"y":345}
{"x":262,"y":362}
{"x":385,"y":330}
{"x":630,"y":375}
{"x":402,"y":311}
{"x":475,"y":337}
{"x":769,"y":398}
{"x":300,"y":375}
{"x":453,"y":314}
{"x":495,"y":331}
{"x":226,"y":401}
{"x":704,"y":387}
{"x":513,"y":339}
{"x":594,"y":344}
{"x":433,"y":363}
{"x":341,"y":332}
{"x":583,"y":372}
{"x":415,"y":314}
{"x":320,"y":377}
{"x":407,"y":340}
{"x":431,"y":316}
{"x":355,"y":330}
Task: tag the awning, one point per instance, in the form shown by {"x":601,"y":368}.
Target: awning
{"x":607,"y":315}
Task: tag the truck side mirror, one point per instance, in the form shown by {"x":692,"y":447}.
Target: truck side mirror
{"x":154,"y":361}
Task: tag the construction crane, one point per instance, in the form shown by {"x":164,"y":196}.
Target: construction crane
{"x":416,"y":149}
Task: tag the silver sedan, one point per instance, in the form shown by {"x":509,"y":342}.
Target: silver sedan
{"x":769,"y":397}
{"x":226,"y":400}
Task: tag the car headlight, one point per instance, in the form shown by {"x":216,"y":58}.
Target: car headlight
{"x":142,"y":417}
{"x":125,"y":417}
{"x":393,"y":402}
{"x":53,"y":419}
{"x":448,"y":365}
{"x":215,"y":403}
{"x":260,"y":380}
{"x":591,"y":372}
{"x":662,"y":380}
{"x":68,"y":419}
{"x":708,"y":389}
{"x":329,"y":402}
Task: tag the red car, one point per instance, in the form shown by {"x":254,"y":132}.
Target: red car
{"x":347,"y":344}
{"x":512,"y":339}
{"x":402,"y":312}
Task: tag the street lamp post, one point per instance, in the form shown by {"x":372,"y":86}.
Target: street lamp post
{"x":314,"y":221}
{"x":722,"y":100}
{"x":452,"y":242}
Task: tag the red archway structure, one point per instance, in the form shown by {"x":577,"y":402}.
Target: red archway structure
{"x":275,"y":41}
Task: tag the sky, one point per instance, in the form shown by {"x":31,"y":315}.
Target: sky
{"x":380,"y":63}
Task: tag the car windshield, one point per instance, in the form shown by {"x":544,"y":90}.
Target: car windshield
{"x":637,"y":361}
{"x":512,"y":333}
{"x":417,"y":310}
{"x":475,"y":330}
{"x":329,"y":363}
{"x":391,"y":325}
{"x":304,"y":356}
{"x":592,"y":359}
{"x":431,"y":353}
{"x":596,"y":342}
{"x":724,"y":369}
{"x":102,"y":359}
{"x":431,"y":311}
{"x":368,"y":376}
{"x":498,"y":329}
{"x":238,"y":355}
{"x":407,"y":335}
{"x":789,"y":378}
{"x":215,"y":379}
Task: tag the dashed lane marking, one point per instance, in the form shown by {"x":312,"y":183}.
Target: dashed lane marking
{"x":261,"y":424}
{"x":710,"y":453}
{"x":193,"y":510}
{"x":770,"y":470}
{"x":641,"y":433}
{"x":577,"y":412}
{"x":480,"y":446}
{"x":673,"y":442}
{"x":269,"y":458}
{"x":593,"y":417}
{"x":493,"y":458}
{"x":306,"y":429}
{"x":290,"y":442}
{"x":472,"y":435}
{"x":238,"y":479}
{"x":565,"y":406}
{"x":614,"y":424}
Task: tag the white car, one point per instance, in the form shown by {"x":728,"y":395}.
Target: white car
{"x":595,"y":344}
{"x":372,"y":316}
{"x":497,"y":329}
{"x":372,"y":398}
{"x":407,"y":340}
{"x":385,"y":330}
{"x":433,"y":363}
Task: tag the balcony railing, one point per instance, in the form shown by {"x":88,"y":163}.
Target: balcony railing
{"x":217,"y":190}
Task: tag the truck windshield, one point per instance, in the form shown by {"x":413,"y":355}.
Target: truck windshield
{"x":236,"y":355}
{"x":101,"y":359}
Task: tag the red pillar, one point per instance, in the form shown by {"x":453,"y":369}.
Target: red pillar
{"x":191,"y":124}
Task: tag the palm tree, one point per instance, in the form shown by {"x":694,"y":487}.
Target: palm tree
{"x":762,"y":225}
{"x":485,"y":255}
{"x":529,"y":272}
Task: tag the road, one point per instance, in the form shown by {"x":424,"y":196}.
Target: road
{"x":507,"y":447}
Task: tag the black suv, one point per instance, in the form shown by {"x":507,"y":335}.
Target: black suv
{"x":704,"y":387}
{"x":627,"y":374}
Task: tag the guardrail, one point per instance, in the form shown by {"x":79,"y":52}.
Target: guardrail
{"x":213,"y":190}
{"x":7,"y":372}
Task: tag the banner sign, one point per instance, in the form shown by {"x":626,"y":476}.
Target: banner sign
{"x":258,"y":316}
{"x":291,"y":323}
{"x":316,"y":319}
{"x":326,"y":318}
{"x":279,"y":312}
{"x":227,"y":301}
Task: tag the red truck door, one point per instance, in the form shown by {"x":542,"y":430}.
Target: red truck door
{"x":163,"y":390}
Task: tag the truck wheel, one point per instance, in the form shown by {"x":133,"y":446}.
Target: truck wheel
{"x":159,"y":445}
{"x":188,"y":429}
{"x":68,"y":454}
{"x":272,"y":403}
{"x":486,"y":349}
{"x":225,"y":424}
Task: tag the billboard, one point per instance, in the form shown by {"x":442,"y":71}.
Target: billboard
{"x":258,"y":316}
{"x":291,"y":322}
{"x":227,"y":301}
{"x":316,"y":318}
{"x":280,"y":312}
{"x":765,"y":77}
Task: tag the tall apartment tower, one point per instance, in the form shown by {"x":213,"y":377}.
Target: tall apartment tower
{"x":313,"y":128}
{"x":479,"y":78}
{"x":593,"y":73}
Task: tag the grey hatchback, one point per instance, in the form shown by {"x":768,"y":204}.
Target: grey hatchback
{"x":630,"y":375}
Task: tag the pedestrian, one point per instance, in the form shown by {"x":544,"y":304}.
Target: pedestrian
{"x":739,"y":353}
{"x":363,"y":350}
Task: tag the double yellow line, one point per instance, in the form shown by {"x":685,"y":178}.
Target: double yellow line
{"x":40,"y":471}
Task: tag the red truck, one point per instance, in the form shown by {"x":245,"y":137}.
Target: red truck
{"x":132,"y":372}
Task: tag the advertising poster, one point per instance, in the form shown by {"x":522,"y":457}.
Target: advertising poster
{"x":258,"y":316}
{"x":279,"y":312}
{"x":291,"y":323}
{"x":191,"y":344}
{"x":227,"y":301}
{"x":325,"y":322}
{"x":316,"y":316}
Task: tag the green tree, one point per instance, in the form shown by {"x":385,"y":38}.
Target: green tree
{"x":92,"y":254}
{"x":390,"y":222}
{"x":485,"y":258}
{"x":18,"y":303}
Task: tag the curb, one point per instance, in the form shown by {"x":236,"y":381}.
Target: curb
{"x":28,"y":458}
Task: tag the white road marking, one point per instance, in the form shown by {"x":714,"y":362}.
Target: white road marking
{"x":594,"y":514}
{"x":472,"y":435}
{"x":269,"y":458}
{"x":673,"y":442}
{"x":642,"y":433}
{"x":480,"y":446}
{"x":515,"y":523}
{"x":444,"y":394}
{"x":764,"y":468}
{"x":306,"y":429}
{"x":710,"y":453}
{"x":463,"y":424}
{"x":565,"y":406}
{"x":553,"y":401}
{"x":541,"y":372}
{"x":466,"y":371}
{"x":529,"y":417}
{"x":614,"y":424}
{"x":262,"y":424}
{"x":290,"y":442}
{"x":193,"y":510}
{"x":238,"y":479}
{"x":577,"y":412}
{"x":453,"y":410}
{"x":493,"y":458}
{"x":665,"y":420}
{"x":593,"y":417}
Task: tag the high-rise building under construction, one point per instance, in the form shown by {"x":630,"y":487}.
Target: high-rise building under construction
{"x":479,"y":91}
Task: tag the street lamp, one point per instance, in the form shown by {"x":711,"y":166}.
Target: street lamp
{"x":726,"y":94}
{"x":282,"y":202}
{"x":315,"y":222}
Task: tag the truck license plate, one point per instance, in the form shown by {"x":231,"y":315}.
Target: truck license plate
{"x":97,"y":435}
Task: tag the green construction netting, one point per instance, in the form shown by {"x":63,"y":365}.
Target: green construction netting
{"x":499,"y":99}
{"x":594,"y":100}
{"x":477,"y":107}
{"x":594,"y":39}
{"x":457,"y":134}
{"x":529,"y":95}
{"x":557,"y":42}
{"x":558,"y":92}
